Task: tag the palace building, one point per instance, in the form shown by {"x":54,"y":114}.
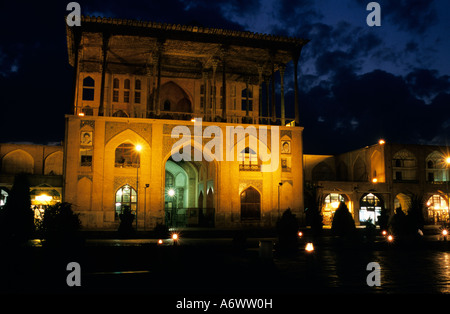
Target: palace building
{"x":137,"y":84}
{"x":183,"y":126}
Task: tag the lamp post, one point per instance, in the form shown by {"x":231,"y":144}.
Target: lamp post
{"x":138,"y":149}
{"x":447,"y":161}
{"x":279,"y":186}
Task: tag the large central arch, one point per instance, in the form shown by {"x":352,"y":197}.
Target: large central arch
{"x":190,"y":189}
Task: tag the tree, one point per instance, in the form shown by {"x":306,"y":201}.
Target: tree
{"x":126,"y":222}
{"x":343,"y":223}
{"x":17,"y":217}
{"x":415,"y":216}
{"x":287,"y":229}
{"x":60,"y":225}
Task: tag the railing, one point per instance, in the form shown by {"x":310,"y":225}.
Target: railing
{"x":190,"y":217}
{"x":231,"y":117}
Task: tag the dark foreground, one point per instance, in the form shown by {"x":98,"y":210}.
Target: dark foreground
{"x":219,"y":267}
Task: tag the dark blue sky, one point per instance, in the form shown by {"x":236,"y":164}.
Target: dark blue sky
{"x":358,"y":83}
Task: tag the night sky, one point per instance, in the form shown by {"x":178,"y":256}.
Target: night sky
{"x":358,"y":83}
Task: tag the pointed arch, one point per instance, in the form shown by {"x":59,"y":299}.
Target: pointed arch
{"x":175,"y":97}
{"x":359,"y":170}
{"x":18,"y":161}
{"x":250,"y":204}
{"x":53,"y":163}
{"x":84,"y":194}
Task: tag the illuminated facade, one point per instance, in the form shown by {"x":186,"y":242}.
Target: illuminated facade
{"x":138,"y":83}
{"x":43,"y":165}
{"x":384,"y":176}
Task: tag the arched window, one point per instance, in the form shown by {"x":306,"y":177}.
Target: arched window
{"x":166,"y":105}
{"x":250,"y":204}
{"x":126,"y":156}
{"x":248,"y":160}
{"x":404,"y":166}
{"x":436,"y":167}
{"x":330,"y":205}
{"x":88,"y":88}
{"x":125,"y":198}
{"x":322,"y":172}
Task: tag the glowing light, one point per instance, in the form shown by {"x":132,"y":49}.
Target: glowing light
{"x":175,"y":237}
{"x":43,"y":198}
{"x":374,"y":180}
{"x":444,"y":232}
{"x":384,"y":232}
{"x":300,"y":234}
{"x":138,"y":147}
{"x":171,"y":192}
{"x":193,"y":120}
{"x":447,"y":160}
{"x":381,"y":142}
{"x":81,"y":114}
{"x":160,"y":241}
{"x":309,"y":247}
{"x":335,"y":205}
{"x":390,"y":238}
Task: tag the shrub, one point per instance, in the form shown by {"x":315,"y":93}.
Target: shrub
{"x":343,"y":223}
{"x":287,"y":229}
{"x":60,"y":225}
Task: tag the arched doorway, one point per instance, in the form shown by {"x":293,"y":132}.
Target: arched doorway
{"x":331,"y":204}
{"x":437,"y":209}
{"x":189,"y":194}
{"x":125,"y":198}
{"x":370,"y":207}
{"x":250,"y":204}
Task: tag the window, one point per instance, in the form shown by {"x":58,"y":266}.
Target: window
{"x":436,"y":167}
{"x":88,"y":88}
{"x":202,"y":96}
{"x":404,"y":166}
{"x":249,"y":160}
{"x":126,"y":93}
{"x":125,"y":198}
{"x":86,"y":157}
{"x":126,"y":156}
{"x":244,"y":99}
{"x":330,"y":205}
{"x":166,"y":105}
{"x":116,"y":90}
{"x":137,"y":91}
{"x":250,"y":204}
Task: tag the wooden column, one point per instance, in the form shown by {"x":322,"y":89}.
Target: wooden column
{"x":274,"y":117}
{"x":101,"y":107}
{"x":296,"y":56}
{"x":247,"y":107}
{"x":260,"y":82}
{"x":281,"y":68}
{"x":214,"y":90}
{"x":267,"y":79}
{"x":224,"y":89}
{"x":158,"y":85}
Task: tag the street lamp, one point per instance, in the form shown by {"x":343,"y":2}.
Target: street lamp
{"x":447,"y":161}
{"x":138,"y":149}
{"x":279,"y":186}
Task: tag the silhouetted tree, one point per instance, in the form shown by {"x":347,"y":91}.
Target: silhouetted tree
{"x":398,"y":223}
{"x":60,"y":225}
{"x":415,"y":216}
{"x":17,"y":217}
{"x":343,"y":223}
{"x":287,"y":229}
